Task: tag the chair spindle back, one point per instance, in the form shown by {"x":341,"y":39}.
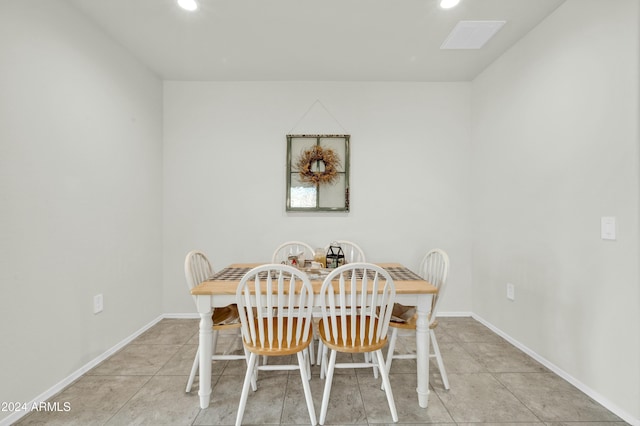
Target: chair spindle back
{"x":275,"y":304}
{"x":356,"y":301}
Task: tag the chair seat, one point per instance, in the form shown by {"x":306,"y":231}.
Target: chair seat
{"x":345,"y":343}
{"x":226,"y":317}
{"x":279,"y":348}
{"x":405,"y":317}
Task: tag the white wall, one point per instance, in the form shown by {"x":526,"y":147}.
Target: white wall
{"x":225,"y":162}
{"x":80,"y":195}
{"x":555,"y":148}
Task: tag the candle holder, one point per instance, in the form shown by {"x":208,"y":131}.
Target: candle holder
{"x":335,"y":256}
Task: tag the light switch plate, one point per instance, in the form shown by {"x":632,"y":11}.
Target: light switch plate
{"x":511,"y":291}
{"x":98,"y":303}
{"x":608,"y":228}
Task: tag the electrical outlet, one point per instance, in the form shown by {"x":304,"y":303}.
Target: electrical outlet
{"x":98,"y":303}
{"x":511,"y":291}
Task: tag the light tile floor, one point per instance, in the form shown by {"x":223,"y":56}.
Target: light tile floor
{"x":492,"y":383}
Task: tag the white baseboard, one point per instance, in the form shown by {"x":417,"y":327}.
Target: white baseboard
{"x":560,"y":372}
{"x":15,"y":416}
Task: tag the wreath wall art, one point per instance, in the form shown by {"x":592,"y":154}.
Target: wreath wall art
{"x":317,"y":172}
{"x":318,"y":165}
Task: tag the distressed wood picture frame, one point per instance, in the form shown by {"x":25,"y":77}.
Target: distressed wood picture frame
{"x":318,"y":173}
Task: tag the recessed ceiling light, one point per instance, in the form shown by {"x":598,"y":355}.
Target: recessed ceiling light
{"x":190,"y":5}
{"x":448,"y":4}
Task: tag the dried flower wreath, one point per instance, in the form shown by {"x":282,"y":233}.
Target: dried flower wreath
{"x":310,"y":167}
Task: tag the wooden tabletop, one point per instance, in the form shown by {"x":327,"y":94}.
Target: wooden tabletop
{"x":229,"y":287}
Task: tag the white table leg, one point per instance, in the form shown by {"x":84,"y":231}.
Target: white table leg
{"x":205,"y":347}
{"x":422,"y":349}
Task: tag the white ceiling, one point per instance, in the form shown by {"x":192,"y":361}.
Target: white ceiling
{"x":314,"y":40}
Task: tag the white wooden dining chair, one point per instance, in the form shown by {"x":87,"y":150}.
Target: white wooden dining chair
{"x":197,"y":269}
{"x":356,"y":300}
{"x":284,"y":250}
{"x":275,"y":302}
{"x":352,"y":253}
{"x":281,"y":255}
{"x":434,"y":268}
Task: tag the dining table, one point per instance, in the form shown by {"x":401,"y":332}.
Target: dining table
{"x":220,"y":290}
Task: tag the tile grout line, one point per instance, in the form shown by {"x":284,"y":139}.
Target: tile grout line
{"x":461,"y":343}
{"x":150,"y":377}
{"x":516,"y":397}
{"x":128,"y":400}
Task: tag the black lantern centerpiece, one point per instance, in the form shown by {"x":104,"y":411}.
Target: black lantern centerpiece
{"x":335,"y":256}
